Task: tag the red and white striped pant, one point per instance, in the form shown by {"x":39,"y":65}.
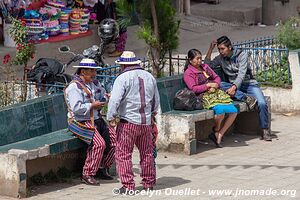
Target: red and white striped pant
{"x":129,"y":135}
{"x":95,"y":153}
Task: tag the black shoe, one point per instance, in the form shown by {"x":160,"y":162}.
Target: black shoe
{"x":103,"y":174}
{"x":89,"y":180}
{"x":147,"y":189}
{"x":123,"y":190}
{"x":251,"y":102}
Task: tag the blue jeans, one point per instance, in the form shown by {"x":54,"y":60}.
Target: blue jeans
{"x":252,"y":89}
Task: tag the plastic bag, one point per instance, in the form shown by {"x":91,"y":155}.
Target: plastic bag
{"x":186,"y":99}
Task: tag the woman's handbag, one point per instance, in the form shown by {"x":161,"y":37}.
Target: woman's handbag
{"x":186,"y":99}
{"x":83,"y":131}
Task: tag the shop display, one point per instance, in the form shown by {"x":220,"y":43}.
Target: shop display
{"x":54,"y":18}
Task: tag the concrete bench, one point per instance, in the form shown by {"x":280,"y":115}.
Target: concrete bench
{"x":180,"y":130}
{"x":31,"y":133}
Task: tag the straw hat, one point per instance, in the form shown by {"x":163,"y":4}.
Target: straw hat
{"x":87,"y":63}
{"x":128,"y":58}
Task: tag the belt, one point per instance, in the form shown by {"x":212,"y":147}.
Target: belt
{"x":123,"y":121}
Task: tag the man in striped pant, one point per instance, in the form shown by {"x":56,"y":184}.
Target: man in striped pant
{"x":98,"y":155}
{"x":135,"y":100}
{"x":85,"y":97}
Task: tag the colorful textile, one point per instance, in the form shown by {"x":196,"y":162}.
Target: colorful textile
{"x":212,"y":99}
{"x":81,"y":131}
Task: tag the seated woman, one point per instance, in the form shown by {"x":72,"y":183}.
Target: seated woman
{"x":202,"y":80}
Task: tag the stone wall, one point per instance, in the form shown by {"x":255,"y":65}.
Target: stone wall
{"x":274,"y":11}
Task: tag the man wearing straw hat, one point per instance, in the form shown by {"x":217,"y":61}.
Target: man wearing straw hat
{"x":135,"y":101}
{"x":85,"y":98}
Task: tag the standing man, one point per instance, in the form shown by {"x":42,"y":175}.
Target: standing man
{"x":135,"y":100}
{"x":241,"y":83}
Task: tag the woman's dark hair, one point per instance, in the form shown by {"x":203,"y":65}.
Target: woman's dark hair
{"x":224,"y":40}
{"x":190,"y":56}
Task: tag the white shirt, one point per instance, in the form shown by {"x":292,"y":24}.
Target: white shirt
{"x":134,"y":97}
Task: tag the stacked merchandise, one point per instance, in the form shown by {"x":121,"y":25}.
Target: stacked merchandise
{"x":64,"y":20}
{"x":55,"y":4}
{"x":34,"y":24}
{"x":85,"y":14}
{"x":52,"y":24}
{"x":75,"y":19}
{"x":55,"y":18}
{"x":53,"y":8}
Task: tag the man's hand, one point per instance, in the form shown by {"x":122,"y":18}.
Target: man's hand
{"x":153,"y":119}
{"x":231,"y":91}
{"x":112,"y":123}
{"x":98,"y":104}
{"x":212,"y":85}
{"x":107,"y":95}
{"x":213,"y":44}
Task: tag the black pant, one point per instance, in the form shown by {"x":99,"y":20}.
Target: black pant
{"x":105,"y":11}
{"x":104,"y":132}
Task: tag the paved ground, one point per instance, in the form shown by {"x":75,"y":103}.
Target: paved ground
{"x":244,"y":164}
{"x":236,"y":11}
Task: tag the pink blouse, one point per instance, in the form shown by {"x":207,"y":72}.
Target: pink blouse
{"x":196,"y":80}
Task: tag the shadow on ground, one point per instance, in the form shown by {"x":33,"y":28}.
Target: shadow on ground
{"x":231,"y":140}
{"x":168,"y":182}
{"x":50,"y":187}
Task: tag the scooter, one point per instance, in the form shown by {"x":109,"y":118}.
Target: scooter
{"x":50,"y":71}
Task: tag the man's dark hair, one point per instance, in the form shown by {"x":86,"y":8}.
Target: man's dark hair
{"x":224,"y":40}
{"x":78,"y":71}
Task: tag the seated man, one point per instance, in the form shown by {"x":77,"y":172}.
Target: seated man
{"x":241,"y":83}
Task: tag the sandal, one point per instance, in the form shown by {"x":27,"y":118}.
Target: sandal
{"x":218,"y":145}
{"x":213,"y":138}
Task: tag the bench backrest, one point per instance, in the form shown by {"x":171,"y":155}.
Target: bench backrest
{"x":32,"y":118}
{"x":168,"y":86}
